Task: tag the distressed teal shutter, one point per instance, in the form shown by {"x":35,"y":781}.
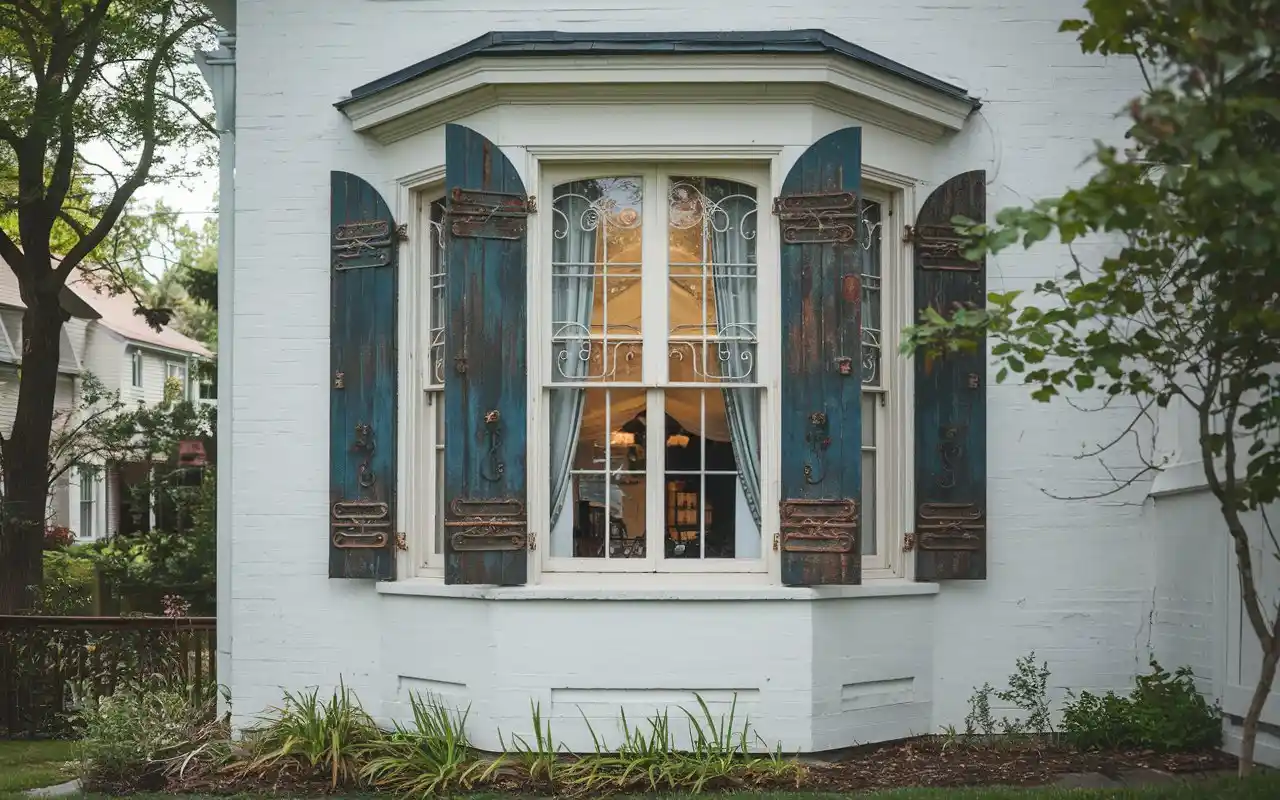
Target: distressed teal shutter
{"x":821,"y":390}
{"x":362,"y":410}
{"x":950,"y":536}
{"x":485,"y":395}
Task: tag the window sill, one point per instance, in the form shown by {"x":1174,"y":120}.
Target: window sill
{"x":427,"y":587}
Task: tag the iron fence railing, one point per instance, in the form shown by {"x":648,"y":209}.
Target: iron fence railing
{"x":46,"y":663}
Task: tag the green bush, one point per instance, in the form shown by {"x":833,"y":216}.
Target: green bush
{"x":67,"y":589}
{"x":1164,"y":712}
{"x":140,"y":732}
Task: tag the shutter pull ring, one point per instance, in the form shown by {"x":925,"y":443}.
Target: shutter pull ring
{"x":819,"y":440}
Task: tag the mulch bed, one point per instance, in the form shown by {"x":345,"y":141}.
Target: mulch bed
{"x":931,"y":762}
{"x":920,"y":762}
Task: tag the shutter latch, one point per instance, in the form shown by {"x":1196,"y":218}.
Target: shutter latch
{"x":908,"y":542}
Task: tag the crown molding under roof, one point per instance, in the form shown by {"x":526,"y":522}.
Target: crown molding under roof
{"x":807,"y":67}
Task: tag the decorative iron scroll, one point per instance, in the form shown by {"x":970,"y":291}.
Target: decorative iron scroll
{"x":487,"y":525}
{"x":362,"y":245}
{"x":819,"y":526}
{"x":950,"y":526}
{"x":819,"y":218}
{"x":939,"y":247}
{"x":358,"y":524}
{"x":475,"y":214}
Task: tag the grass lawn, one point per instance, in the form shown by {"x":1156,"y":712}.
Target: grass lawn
{"x":28,"y":765}
{"x":1260,"y":787}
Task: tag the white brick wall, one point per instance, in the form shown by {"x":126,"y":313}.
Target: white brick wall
{"x":1074,"y":581}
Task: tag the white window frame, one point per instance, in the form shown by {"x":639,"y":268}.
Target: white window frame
{"x":654,"y":285}
{"x":135,"y":368}
{"x":548,"y":166}
{"x":86,"y":502}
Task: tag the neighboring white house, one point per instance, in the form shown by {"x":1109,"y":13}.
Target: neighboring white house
{"x":106,"y":339}
{"x":470,"y":262}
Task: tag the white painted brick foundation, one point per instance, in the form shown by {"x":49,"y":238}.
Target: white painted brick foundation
{"x":1086,"y":585}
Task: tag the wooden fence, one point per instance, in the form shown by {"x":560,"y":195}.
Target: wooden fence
{"x":48,"y":663}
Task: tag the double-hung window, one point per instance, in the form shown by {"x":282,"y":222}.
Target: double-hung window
{"x":653,"y":400}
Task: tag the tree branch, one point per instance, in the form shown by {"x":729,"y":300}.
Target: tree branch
{"x":142,"y":169}
{"x":64,"y":162}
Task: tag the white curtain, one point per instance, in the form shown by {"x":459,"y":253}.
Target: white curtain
{"x":573,"y":295}
{"x":733,"y":265}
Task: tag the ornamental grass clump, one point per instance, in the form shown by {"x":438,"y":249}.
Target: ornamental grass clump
{"x":309,"y":738}
{"x":432,"y":755}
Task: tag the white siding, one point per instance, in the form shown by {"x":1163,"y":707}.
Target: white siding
{"x":1075,"y":582}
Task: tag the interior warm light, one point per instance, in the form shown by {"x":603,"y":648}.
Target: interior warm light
{"x":678,"y":440}
{"x":622,"y":439}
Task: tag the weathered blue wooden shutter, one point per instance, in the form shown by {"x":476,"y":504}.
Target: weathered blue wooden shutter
{"x":486,"y":485}
{"x":821,"y":391}
{"x":362,"y":409}
{"x":950,"y":536}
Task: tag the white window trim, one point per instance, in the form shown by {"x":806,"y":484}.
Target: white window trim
{"x":895,"y":499}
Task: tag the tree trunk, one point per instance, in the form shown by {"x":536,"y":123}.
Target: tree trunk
{"x":1249,"y":730}
{"x":26,"y":455}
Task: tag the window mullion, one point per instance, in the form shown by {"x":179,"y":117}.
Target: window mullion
{"x":655,"y":325}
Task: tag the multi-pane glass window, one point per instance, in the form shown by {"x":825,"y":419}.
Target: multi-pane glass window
{"x":873,"y":383}
{"x":653,"y":402}
{"x":435,"y":319}
{"x":87,"y":477}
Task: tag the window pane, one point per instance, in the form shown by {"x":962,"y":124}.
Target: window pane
{"x":868,"y":516}
{"x":869,"y":402}
{"x":437,"y":523}
{"x":871,"y":294}
{"x":597,"y":478}
{"x":711,"y":481}
{"x":436,"y":316}
{"x":595,"y":280}
{"x":711,"y":293}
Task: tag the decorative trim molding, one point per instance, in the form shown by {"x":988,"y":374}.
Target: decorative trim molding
{"x":822,"y":80}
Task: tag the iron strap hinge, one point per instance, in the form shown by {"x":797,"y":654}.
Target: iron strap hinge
{"x":819,"y":217}
{"x":908,"y":542}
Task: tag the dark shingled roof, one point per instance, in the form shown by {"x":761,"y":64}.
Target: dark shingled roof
{"x":500,"y":44}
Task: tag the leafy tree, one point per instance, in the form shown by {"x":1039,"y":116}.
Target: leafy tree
{"x":95,"y":102}
{"x":1186,"y":310}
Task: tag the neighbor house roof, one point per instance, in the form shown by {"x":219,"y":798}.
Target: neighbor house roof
{"x":117,"y":316}
{"x":559,"y":43}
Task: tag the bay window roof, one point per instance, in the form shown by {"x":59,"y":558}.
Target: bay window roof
{"x":556,"y":66}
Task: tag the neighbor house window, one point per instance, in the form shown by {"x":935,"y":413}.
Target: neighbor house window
{"x":87,"y":476}
{"x":654,"y":391}
{"x":175,"y":371}
{"x":135,"y":362}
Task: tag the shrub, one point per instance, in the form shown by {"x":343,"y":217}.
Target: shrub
{"x":133,"y":736}
{"x":67,"y":589}
{"x":1028,"y":692}
{"x":1163,"y":712}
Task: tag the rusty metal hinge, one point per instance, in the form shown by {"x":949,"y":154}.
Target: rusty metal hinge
{"x":908,"y":542}
{"x":402,"y":232}
{"x":339,"y":380}
{"x":777,"y":542}
{"x":402,"y":542}
{"x":533,"y":541}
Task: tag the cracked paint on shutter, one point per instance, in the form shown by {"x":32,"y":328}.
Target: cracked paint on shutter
{"x":364,"y":245}
{"x":821,"y":389}
{"x":950,"y":537}
{"x":486,"y":484}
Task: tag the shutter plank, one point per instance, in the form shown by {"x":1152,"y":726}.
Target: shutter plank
{"x":950,"y":395}
{"x":363,"y":381}
{"x":821,"y":434}
{"x":486,"y":485}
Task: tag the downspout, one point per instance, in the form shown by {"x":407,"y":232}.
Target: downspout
{"x":219,"y":69}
